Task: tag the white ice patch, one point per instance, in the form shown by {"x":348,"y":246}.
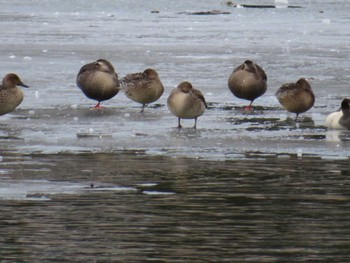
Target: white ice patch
{"x":281,"y":3}
{"x":44,"y":190}
{"x":326,"y":21}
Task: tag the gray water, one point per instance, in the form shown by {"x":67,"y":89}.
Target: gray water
{"x":78,"y":184}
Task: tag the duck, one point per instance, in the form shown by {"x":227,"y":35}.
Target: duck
{"x":296,"y":97}
{"x":248,"y":81}
{"x":98,"y":81}
{"x":143,"y":87}
{"x":340,"y":119}
{"x":10,"y":94}
{"x":186,"y":102}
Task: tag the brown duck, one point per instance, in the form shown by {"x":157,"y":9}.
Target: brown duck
{"x":144,"y":88}
{"x":248,"y":81}
{"x":98,"y":81}
{"x":296,"y":97}
{"x":10,"y":95}
{"x":186,"y":102}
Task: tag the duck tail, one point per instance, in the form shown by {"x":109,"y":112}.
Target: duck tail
{"x":122,"y":84}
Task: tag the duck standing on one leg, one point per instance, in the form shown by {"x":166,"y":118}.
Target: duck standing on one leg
{"x":340,"y":119}
{"x":144,"y":88}
{"x":296,"y":97}
{"x":248,"y":81}
{"x":186,"y":102}
{"x":10,"y":95}
{"x":98,"y":81}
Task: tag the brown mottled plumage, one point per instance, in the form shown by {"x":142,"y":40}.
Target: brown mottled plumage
{"x":296,"y":97}
{"x":98,"y":81}
{"x":248,"y":81}
{"x":10,"y":95}
{"x":143,"y":87}
{"x":186,"y":102}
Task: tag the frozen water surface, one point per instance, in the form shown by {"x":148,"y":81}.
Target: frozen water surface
{"x":241,"y":177}
{"x":46,"y":43}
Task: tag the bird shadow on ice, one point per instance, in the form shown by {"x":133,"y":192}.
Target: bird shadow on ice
{"x":257,"y":109}
{"x":185,"y":133}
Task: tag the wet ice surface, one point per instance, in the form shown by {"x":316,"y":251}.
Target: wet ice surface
{"x":251,"y":177}
{"x":225,"y":132}
{"x":47,"y":44}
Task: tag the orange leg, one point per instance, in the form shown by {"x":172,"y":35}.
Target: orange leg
{"x":249,"y":107}
{"x":98,"y":106}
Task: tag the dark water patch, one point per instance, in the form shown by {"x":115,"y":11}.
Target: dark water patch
{"x":265,"y":6}
{"x":257,"y":109}
{"x":267,"y":208}
{"x":262,"y":6}
{"x":309,"y":137}
{"x":263,"y":123}
{"x":155,"y":105}
{"x":220,"y":106}
{"x":93,"y":134}
{"x":301,"y":122}
{"x":291,"y":124}
{"x":211,"y":12}
{"x":148,"y":106}
{"x":15,"y":17}
{"x":9,"y":137}
{"x":253,"y":120}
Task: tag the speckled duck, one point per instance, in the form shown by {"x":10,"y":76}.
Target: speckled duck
{"x":144,"y":88}
{"x":10,"y":94}
{"x":296,"y":97}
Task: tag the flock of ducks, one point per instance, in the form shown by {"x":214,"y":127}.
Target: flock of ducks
{"x":99,"y":81}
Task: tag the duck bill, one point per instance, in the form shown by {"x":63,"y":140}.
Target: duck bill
{"x":23,"y":85}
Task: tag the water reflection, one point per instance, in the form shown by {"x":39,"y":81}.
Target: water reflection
{"x":337,"y":135}
{"x":264,"y":208}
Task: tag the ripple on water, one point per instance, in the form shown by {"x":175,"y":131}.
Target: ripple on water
{"x":264,"y":206}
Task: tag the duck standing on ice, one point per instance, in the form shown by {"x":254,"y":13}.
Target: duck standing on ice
{"x":144,"y":88}
{"x":296,"y":97}
{"x":186,"y":102}
{"x":248,"y":81}
{"x":98,"y":81}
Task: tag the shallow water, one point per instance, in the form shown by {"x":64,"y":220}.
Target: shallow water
{"x":131,"y":207}
{"x":77,"y":184}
